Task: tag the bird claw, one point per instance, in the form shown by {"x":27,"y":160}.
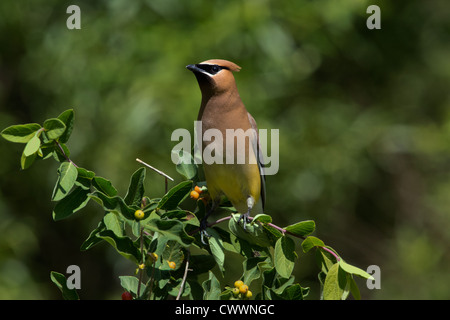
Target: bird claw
{"x":245,"y":219}
{"x":203,"y":233}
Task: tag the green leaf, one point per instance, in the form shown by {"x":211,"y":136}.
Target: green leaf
{"x":60,"y":281}
{"x":335,"y":283}
{"x":311,"y":242}
{"x":211,"y":288}
{"x":136,"y":188}
{"x":264,"y":218}
{"x":67,"y":175}
{"x":47,"y":150}
{"x":253,"y":267}
{"x":354,"y":270}
{"x":85,"y":173}
{"x":172,"y":252}
{"x":115,"y":203}
{"x":131,"y":284}
{"x":174,"y":288}
{"x":216,"y":247}
{"x":26,"y":162}
{"x":295,"y":292}
{"x":274,"y":233}
{"x":54,"y":128}
{"x":21,"y":133}
{"x":174,"y":214}
{"x":254,"y":233}
{"x":71,"y":203}
{"x":84,"y":178}
{"x":67,"y":118}
{"x":175,"y":195}
{"x":354,"y":289}
{"x":268,"y":280}
{"x":32,"y":146}
{"x":172,"y":229}
{"x":201,"y":263}
{"x":185,"y":165}
{"x":123,"y":245}
{"x":113,"y":223}
{"x":302,"y":228}
{"x":324,"y":260}
{"x":92,"y":240}
{"x":61,"y":153}
{"x":104,"y":185}
{"x":284,"y":256}
{"x":281,"y":284}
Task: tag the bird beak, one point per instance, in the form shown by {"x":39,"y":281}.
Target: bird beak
{"x":194,"y":68}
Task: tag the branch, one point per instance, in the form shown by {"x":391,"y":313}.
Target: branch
{"x":142,"y":252}
{"x":154,"y":169}
{"x":186,"y":269}
{"x":284,"y":231}
{"x":332,"y":253}
{"x":64,"y":154}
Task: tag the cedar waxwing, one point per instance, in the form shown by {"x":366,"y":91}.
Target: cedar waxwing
{"x":241,"y":181}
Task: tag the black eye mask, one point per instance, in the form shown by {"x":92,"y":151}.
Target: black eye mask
{"x":212,"y":69}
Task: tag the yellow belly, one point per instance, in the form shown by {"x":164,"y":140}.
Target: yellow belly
{"x":236,"y":181}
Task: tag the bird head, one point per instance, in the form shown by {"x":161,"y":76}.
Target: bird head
{"x":215,"y":76}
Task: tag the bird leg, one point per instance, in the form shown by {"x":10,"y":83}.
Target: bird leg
{"x":245,"y":216}
{"x":204,"y":222}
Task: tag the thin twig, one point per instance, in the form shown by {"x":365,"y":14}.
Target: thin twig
{"x":65,"y":155}
{"x":154,"y":169}
{"x":152,"y":279}
{"x":141,"y":271}
{"x":186,"y":269}
{"x":211,"y":224}
{"x":331,"y":251}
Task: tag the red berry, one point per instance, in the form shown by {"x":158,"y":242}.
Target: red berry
{"x":127,"y":296}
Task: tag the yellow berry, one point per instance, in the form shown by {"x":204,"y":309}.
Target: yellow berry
{"x":172,"y":265}
{"x":194,"y":195}
{"x":142,"y":266}
{"x":249,"y":294}
{"x":243,"y":289}
{"x":139,"y":214}
{"x":154,"y":256}
{"x":235,"y":292}
{"x":238,"y":283}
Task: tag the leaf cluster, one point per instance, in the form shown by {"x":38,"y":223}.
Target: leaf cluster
{"x":160,"y":242}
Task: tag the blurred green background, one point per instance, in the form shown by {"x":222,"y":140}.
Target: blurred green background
{"x":364,"y":120}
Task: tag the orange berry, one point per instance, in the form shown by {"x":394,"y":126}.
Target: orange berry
{"x":238,"y":284}
{"x":172,"y":265}
{"x":198,"y":189}
{"x":243,"y":289}
{"x":194,"y":195}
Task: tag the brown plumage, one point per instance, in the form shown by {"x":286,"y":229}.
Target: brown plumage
{"x":222,"y":109}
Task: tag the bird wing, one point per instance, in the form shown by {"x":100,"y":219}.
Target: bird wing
{"x":259,"y":157}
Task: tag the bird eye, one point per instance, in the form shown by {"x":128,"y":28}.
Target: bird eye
{"x":215,"y":68}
